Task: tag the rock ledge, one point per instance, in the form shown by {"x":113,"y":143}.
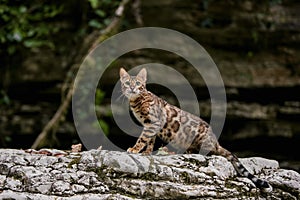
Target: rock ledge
{"x":101,"y":174}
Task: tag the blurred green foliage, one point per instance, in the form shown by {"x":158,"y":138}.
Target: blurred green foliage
{"x":26,"y":24}
{"x":4,"y":99}
{"x":101,"y":10}
{"x":99,"y":98}
{"x":28,"y":27}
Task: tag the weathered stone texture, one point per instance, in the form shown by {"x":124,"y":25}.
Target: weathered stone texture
{"x":97,"y":174}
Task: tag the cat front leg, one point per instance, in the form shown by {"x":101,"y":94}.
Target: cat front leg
{"x":146,"y":140}
{"x":150,"y":146}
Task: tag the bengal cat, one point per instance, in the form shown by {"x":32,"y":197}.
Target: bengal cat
{"x":181,"y":129}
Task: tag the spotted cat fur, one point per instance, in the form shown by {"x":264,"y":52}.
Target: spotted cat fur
{"x":181,"y":129}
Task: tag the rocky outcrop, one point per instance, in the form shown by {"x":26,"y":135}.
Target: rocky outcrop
{"x":102,"y":174}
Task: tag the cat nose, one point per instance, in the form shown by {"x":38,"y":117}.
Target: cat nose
{"x":132,"y":89}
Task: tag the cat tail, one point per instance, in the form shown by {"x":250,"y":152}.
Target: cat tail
{"x":242,"y":171}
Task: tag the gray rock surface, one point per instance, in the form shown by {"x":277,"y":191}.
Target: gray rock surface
{"x":101,"y":174}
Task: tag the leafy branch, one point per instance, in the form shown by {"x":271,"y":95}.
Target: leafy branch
{"x":89,"y":43}
{"x":26,"y":25}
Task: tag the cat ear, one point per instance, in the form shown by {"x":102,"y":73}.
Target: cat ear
{"x":142,"y":74}
{"x":123,"y":73}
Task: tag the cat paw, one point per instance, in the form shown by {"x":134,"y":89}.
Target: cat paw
{"x":147,"y":153}
{"x":132,"y":150}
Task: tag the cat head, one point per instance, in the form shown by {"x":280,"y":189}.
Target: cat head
{"x":133,"y":86}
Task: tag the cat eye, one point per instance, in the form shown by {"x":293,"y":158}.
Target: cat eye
{"x":138,"y":83}
{"x":127,"y":83}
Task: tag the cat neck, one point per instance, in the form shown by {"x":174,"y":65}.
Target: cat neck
{"x":143,"y":95}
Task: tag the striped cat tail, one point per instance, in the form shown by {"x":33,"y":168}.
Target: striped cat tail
{"x":242,"y":171}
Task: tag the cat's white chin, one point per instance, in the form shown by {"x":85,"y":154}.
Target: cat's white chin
{"x":132,"y":96}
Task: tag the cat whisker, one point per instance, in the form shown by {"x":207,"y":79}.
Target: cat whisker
{"x":124,"y":98}
{"x":121,"y":96}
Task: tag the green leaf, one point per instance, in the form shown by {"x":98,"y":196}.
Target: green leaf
{"x":30,"y":33}
{"x":100,"y":13}
{"x":7,"y":139}
{"x":2,"y":38}
{"x":99,"y":97}
{"x":22,"y":9}
{"x":107,"y":21}
{"x":95,"y":23}
{"x":18,"y":36}
{"x":104,"y":127}
{"x":4,"y":99}
{"x":94,"y":3}
{"x":32,"y":43}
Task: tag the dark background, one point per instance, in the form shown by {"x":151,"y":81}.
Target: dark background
{"x":255,"y":45}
